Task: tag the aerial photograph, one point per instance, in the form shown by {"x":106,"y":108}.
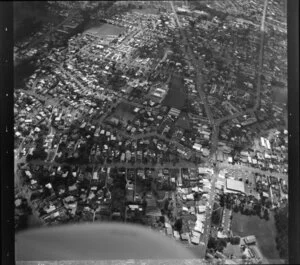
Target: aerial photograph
{"x":169,"y":116}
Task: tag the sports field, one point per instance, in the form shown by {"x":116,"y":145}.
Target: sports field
{"x":265,"y":232}
{"x":105,"y":29}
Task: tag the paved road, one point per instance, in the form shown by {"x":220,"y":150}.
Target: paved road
{"x":197,"y":66}
{"x":215,"y":136}
{"x":214,"y":142}
{"x":211,"y":200}
{"x":169,"y":165}
{"x":217,"y":123}
{"x":261,"y":54}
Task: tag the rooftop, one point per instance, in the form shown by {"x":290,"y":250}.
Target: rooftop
{"x":235,"y":185}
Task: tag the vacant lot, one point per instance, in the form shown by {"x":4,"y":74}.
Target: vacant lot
{"x":176,"y":95}
{"x":106,"y":29}
{"x":265,"y":232}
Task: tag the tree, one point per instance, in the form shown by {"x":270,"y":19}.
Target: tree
{"x":39,"y":154}
{"x":235,"y":208}
{"x":212,"y":243}
{"x":192,"y":23}
{"x":216,"y":215}
{"x":266,"y":214}
{"x":217,"y":244}
{"x":222,"y":200}
{"x":162,"y":219}
{"x":258,"y":212}
{"x":246,"y":211}
{"x":268,"y":203}
{"x":178,"y":225}
{"x":222,"y":243}
{"x":235,"y":240}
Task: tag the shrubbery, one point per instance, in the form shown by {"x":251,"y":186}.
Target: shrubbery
{"x":235,"y":240}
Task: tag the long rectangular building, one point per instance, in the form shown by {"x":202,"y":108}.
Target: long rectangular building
{"x":234,"y":186}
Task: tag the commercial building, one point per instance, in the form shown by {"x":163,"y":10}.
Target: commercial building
{"x":249,"y":240}
{"x":174,"y":112}
{"x":234,"y":186}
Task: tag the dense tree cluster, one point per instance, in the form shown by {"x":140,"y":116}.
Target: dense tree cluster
{"x":216,"y":216}
{"x":39,"y":152}
{"x":217,"y":244}
{"x":178,"y":225}
{"x":235,"y":240}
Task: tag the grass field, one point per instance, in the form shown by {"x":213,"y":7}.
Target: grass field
{"x":265,"y":232}
{"x":176,"y":95}
{"x":183,"y":121}
{"x":124,"y":111}
{"x":106,"y":29}
{"x":279,"y":94}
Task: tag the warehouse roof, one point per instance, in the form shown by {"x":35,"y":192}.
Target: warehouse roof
{"x":235,"y":185}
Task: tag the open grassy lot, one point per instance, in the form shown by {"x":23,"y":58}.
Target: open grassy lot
{"x":124,"y":112}
{"x":265,"y":232}
{"x":279,"y":94}
{"x":183,"y":121}
{"x":176,"y":95}
{"x":106,"y":29}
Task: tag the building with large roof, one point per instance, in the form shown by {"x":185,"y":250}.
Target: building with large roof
{"x":234,"y":186}
{"x":249,"y":240}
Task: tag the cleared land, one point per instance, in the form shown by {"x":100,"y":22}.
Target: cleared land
{"x":265,"y":232}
